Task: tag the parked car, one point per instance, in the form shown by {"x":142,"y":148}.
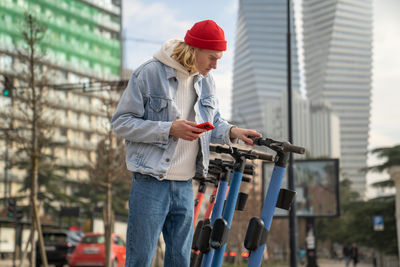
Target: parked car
{"x":91,"y":251}
{"x":59,"y":245}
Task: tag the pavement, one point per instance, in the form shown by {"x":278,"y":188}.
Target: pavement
{"x":321,"y":263}
{"x":9,"y":263}
{"x":329,"y":263}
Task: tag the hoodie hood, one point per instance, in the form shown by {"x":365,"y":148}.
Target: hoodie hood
{"x":164,"y":55}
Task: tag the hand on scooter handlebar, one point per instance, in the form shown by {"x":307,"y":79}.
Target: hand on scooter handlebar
{"x":245,"y":135}
{"x":279,"y":145}
{"x":250,"y":154}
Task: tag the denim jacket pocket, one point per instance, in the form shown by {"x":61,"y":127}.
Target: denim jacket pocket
{"x":158,"y":110}
{"x":209,"y":106}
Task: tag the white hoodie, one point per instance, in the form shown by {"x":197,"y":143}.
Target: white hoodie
{"x":183,"y":165}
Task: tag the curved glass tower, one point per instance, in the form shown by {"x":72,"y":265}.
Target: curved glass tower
{"x":338,"y":69}
{"x":260,"y":68}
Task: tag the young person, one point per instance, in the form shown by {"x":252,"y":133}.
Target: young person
{"x":165,"y":99}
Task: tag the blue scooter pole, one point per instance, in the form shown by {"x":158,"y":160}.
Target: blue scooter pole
{"x":268,"y":211}
{"x":222,"y":225}
{"x":217,"y":211}
{"x":258,"y":229}
{"x":196,"y":255}
{"x":228,"y":213}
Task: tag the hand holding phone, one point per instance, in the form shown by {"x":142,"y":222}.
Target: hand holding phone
{"x":206,"y":126}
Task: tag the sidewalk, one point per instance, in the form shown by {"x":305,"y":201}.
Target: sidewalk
{"x":330,"y":263}
{"x":336,"y":263}
{"x":9,"y":263}
{"x":321,"y":263}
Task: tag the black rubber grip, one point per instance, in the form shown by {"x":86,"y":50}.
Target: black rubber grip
{"x":246,"y":179}
{"x":287,"y":147}
{"x":213,"y":148}
{"x":249,"y":172}
{"x":264,"y":156}
{"x":258,"y":141}
{"x":219,"y":163}
{"x":252,"y":153}
{"x":250,"y":167}
{"x":220,"y":149}
{"x":213,"y":169}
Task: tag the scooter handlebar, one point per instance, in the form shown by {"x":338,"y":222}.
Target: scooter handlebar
{"x":264,"y":156}
{"x":220,"y":149}
{"x":279,"y":146}
{"x":288,"y":147}
{"x":219,"y":163}
{"x":230,"y":150}
{"x":246,"y":179}
{"x":249,"y":172}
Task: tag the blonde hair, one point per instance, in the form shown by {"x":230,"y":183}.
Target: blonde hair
{"x":185,"y":55}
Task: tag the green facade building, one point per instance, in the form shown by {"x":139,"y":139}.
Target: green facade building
{"x":83,"y":36}
{"x":82,"y":45}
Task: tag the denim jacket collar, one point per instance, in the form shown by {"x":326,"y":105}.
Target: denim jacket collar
{"x":169,"y":71}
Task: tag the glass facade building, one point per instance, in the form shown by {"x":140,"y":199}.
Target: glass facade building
{"x":259,"y":98}
{"x":338,"y":70}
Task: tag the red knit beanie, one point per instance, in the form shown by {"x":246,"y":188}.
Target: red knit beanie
{"x":206,"y":34}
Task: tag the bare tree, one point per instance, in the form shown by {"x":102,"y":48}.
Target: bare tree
{"x":109,"y":172}
{"x":30,"y":115}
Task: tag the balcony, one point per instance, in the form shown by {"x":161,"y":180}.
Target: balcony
{"x":106,"y":7}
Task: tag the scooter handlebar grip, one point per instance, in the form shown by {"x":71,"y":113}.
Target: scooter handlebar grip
{"x":213,"y":148}
{"x":287,"y":147}
{"x":257,"y":141}
{"x":246,"y":179}
{"x":265,"y":156}
{"x":220,"y":149}
{"x":249,"y":172}
{"x":249,"y":167}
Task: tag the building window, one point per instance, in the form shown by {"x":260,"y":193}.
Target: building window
{"x":63,"y":132}
{"x":87,"y":136}
{"x":6,"y":62}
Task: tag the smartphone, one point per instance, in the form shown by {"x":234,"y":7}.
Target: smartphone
{"x":206,"y":125}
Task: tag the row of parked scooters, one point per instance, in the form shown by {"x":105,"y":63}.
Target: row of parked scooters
{"x":211,"y":233}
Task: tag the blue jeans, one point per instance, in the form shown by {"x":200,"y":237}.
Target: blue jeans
{"x":154,"y":207}
{"x":347,"y":260}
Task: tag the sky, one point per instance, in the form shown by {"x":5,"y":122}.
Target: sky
{"x":148,"y":23}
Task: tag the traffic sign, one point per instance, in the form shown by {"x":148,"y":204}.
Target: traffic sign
{"x":378,"y":223}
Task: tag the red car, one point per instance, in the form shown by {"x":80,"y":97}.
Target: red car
{"x":91,"y":251}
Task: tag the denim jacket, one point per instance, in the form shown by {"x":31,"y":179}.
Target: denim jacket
{"x":145,"y":113}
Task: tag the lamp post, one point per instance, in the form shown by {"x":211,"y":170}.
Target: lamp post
{"x":291,"y":181}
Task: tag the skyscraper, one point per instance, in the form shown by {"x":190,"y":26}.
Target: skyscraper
{"x":338,"y":66}
{"x":260,"y":68}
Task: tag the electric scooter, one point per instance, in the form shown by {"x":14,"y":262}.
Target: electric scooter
{"x":257,"y":231}
{"x":220,"y":230}
{"x":202,"y":239}
{"x":199,"y":197}
{"x":195,"y":258}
